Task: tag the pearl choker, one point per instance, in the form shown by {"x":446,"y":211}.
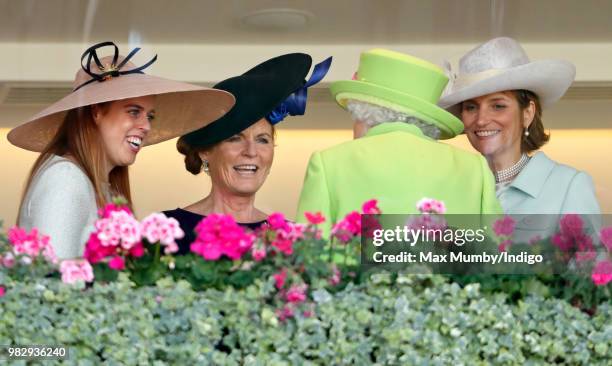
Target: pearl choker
{"x":508,"y":174}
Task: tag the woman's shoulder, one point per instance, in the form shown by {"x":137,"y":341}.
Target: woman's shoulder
{"x":187,"y":220}
{"x":543,"y":161}
{"x":60,"y":174}
{"x":61,"y":168}
{"x":181,"y":213}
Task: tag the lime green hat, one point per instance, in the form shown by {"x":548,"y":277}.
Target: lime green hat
{"x":400,"y":82}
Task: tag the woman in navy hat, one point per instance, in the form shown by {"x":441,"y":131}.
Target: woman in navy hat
{"x":237,"y":150}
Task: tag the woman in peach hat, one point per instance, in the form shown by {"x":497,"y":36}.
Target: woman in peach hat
{"x":88,"y":139}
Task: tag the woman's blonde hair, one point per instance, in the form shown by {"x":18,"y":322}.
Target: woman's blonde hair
{"x":78,"y":136}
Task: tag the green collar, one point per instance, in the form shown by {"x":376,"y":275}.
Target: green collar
{"x":388,"y":127}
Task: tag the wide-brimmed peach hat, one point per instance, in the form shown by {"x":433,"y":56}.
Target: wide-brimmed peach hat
{"x":179,"y":107}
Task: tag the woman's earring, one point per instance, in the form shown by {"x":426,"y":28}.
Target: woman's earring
{"x":526,"y":133}
{"x":205,"y":166}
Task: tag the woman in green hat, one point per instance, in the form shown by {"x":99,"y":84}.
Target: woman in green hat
{"x":395,"y":157}
{"x":237,"y":150}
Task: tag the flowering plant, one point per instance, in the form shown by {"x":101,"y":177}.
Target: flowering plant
{"x":26,"y":253}
{"x":119,"y":239}
{"x":286,"y":253}
{"x":575,"y":268}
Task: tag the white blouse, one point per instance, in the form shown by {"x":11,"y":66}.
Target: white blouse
{"x":61,"y":203}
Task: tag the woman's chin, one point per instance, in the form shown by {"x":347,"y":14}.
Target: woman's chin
{"x":247,"y":189}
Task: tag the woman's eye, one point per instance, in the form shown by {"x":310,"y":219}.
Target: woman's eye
{"x":234,"y":139}
{"x":263,"y":140}
{"x":151,"y":117}
{"x":499,"y":106}
{"x":134,"y":112}
{"x":469,"y":107}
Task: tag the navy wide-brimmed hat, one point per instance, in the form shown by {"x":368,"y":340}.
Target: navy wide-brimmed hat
{"x":272,"y":90}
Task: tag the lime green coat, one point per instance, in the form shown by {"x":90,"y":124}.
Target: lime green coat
{"x":397,"y":165}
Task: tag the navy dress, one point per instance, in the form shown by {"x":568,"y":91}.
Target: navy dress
{"x":189,"y":220}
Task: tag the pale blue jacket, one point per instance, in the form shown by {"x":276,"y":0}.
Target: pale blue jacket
{"x":547,"y":187}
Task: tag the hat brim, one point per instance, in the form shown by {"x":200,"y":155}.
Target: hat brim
{"x":449,"y":125}
{"x":180,"y":108}
{"x":548,"y":79}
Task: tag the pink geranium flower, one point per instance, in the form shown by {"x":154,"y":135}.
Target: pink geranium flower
{"x":8,"y":260}
{"x":120,"y":228}
{"x":504,"y":226}
{"x":348,"y":227}
{"x":314,"y":218}
{"x":113,"y":207}
{"x":219,"y":235}
{"x":585,"y":249}
{"x":285,"y":233}
{"x":74,"y":270}
{"x":504,"y":245}
{"x":159,"y":228}
{"x":31,"y":243}
{"x":571,"y":225}
{"x":308,"y":313}
{"x":336,"y":276}
{"x":602,"y":273}
{"x":258,"y":252}
{"x":297,"y":293}
{"x":94,"y":250}
{"x":117,"y":263}
{"x":427,"y":221}
{"x":285,"y":313}
{"x":2,"y":291}
{"x":562,"y":242}
{"x":430,"y":205}
{"x":137,"y":251}
{"x":371,"y":208}
{"x":606,"y":237}
{"x":283,"y":245}
{"x":280,"y":278}
{"x":572,"y":236}
{"x":277,"y":221}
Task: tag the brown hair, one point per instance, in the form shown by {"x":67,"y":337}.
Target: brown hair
{"x":193,"y":162}
{"x":78,"y":137}
{"x":537,"y":136}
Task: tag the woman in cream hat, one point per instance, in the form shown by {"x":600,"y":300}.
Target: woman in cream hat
{"x":89,"y":138}
{"x":499,"y":94}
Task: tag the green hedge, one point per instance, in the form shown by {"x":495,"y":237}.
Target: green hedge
{"x":413,"y":320}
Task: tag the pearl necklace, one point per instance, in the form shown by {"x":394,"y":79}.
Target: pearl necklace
{"x":508,"y":174}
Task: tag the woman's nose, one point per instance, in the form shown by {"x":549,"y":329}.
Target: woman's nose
{"x":144,"y":124}
{"x":250,"y":149}
{"x":482,"y":117}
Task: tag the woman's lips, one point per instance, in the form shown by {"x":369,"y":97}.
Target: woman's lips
{"x":134,"y":142}
{"x":486,"y":133}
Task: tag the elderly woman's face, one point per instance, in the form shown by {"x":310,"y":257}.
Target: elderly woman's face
{"x":123,"y":125}
{"x":494,"y":123}
{"x":240,"y":164}
{"x":360,"y":128}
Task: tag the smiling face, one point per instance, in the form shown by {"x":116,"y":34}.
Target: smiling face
{"x":240,"y":164}
{"x":494,"y":124}
{"x":123,"y":125}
